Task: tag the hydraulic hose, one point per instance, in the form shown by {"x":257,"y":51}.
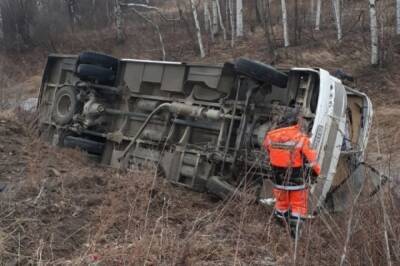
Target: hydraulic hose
{"x":159,"y":108}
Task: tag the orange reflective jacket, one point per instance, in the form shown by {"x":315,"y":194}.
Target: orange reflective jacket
{"x":287,"y":146}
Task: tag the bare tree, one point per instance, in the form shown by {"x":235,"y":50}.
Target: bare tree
{"x":239,"y":18}
{"x":312,"y":9}
{"x":119,"y":21}
{"x":214,"y":12}
{"x":260,"y":11}
{"x":374,"y":32}
{"x":338,"y":20}
{"x":9,"y":25}
{"x":208,"y":25}
{"x":285,"y":24}
{"x":206,"y":16}
{"x":221,"y":21}
{"x":232,"y":21}
{"x":269,"y":31}
{"x":17,"y":20}
{"x":198,"y":31}
{"x":398,"y":16}
{"x":318,"y":15}
{"x":72,"y":12}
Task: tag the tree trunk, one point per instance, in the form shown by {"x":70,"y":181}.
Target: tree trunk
{"x":71,"y":5}
{"x":198,"y":31}
{"x":9,"y":25}
{"x":239,"y":18}
{"x":312,"y":10}
{"x":296,"y":26}
{"x":119,"y":22}
{"x":269,"y":31}
{"x":206,"y":16}
{"x":232,"y":22}
{"x":208,"y":21}
{"x":215,"y":27}
{"x":338,"y":20}
{"x":221,"y":21}
{"x":285,"y":24}
{"x":318,"y":15}
{"x":260,"y":11}
{"x":374,"y":32}
{"x":398,"y":16}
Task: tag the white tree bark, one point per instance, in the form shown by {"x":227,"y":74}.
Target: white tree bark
{"x":198,"y":31}
{"x":374,"y":32}
{"x":338,"y":20}
{"x":318,"y":15}
{"x":232,"y":21}
{"x":221,"y":21}
{"x":239,"y":18}
{"x":398,"y":16}
{"x":215,"y":27}
{"x":285,"y":24}
{"x":119,"y":21}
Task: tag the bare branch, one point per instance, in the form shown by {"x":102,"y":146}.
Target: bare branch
{"x":132,"y":5}
{"x":157,"y":29}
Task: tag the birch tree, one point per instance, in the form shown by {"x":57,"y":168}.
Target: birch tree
{"x":215,"y":27}
{"x":398,"y":16}
{"x":198,"y":31}
{"x":285,"y":23}
{"x":338,"y":20}
{"x":239,"y":18}
{"x":119,"y":21}
{"x":232,"y":21}
{"x":318,"y":15}
{"x":221,"y":21}
{"x":374,"y":32}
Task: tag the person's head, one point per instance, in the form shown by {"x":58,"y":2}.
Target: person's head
{"x":294,"y":117}
{"x":290,"y":118}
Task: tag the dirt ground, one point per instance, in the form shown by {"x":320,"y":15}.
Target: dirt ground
{"x":58,"y":208}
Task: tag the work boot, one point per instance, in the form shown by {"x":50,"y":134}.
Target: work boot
{"x":295,"y":224}
{"x":281,"y":218}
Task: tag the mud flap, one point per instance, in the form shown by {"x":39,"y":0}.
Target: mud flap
{"x":365,"y":179}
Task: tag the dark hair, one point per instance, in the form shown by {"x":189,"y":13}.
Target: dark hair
{"x":289,"y":119}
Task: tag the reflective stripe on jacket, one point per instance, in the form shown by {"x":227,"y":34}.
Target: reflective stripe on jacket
{"x":288,"y":146}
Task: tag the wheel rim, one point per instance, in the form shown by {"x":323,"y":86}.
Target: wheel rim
{"x":64,"y":105}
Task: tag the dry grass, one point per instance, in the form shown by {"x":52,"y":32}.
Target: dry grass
{"x":61,"y":209}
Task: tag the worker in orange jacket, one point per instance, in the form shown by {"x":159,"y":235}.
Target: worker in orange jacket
{"x":291,"y":156}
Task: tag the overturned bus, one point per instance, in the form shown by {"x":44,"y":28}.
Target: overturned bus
{"x":203,"y":125}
